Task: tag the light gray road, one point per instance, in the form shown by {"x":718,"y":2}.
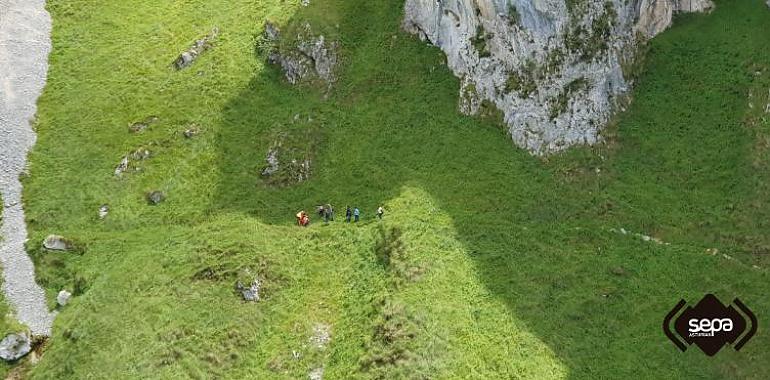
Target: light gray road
{"x":25,"y":29}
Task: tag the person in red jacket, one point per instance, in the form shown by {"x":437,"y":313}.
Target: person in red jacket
{"x":302,"y":219}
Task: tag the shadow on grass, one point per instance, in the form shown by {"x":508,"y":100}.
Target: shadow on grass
{"x":540,"y":242}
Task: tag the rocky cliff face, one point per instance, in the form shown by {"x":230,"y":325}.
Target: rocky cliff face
{"x":557,"y":69}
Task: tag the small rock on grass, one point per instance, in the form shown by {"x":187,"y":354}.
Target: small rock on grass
{"x":251,"y":293}
{"x":192,"y":131}
{"x":103,"y":211}
{"x":155,"y":197}
{"x":140,"y":126}
{"x":141,"y":154}
{"x":56,"y":243}
{"x":272,"y":163}
{"x":63,"y":298}
{"x":122,"y":167}
{"x":200,"y":46}
{"x":14,"y":347}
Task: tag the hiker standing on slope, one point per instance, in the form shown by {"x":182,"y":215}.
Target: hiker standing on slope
{"x":356,"y":214}
{"x":380,"y":212}
{"x":348,"y":213}
{"x":329,"y":212}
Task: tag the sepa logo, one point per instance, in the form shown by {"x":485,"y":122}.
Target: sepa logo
{"x":710,"y":325}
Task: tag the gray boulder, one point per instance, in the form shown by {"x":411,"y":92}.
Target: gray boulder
{"x":14,"y":347}
{"x":251,"y":293}
{"x":185,"y":59}
{"x":122,"y":167}
{"x":63,"y":298}
{"x":56,"y":243}
{"x":200,"y":46}
{"x":272,"y":163}
{"x":156,"y":197}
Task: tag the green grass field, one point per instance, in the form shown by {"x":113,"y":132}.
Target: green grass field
{"x":501,"y":265}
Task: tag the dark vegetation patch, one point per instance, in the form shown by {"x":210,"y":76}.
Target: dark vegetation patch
{"x":593,"y":42}
{"x":480,"y":41}
{"x":389,"y":352}
{"x":513,"y":15}
{"x":524,"y":81}
{"x":558,"y":105}
{"x":394,"y":257}
{"x":392,"y":351}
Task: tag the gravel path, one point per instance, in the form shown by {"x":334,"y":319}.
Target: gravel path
{"x":25,"y":42}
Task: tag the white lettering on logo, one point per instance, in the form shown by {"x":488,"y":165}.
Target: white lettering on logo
{"x":710,"y":325}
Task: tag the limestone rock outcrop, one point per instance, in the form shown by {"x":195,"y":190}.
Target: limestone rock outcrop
{"x":187,"y":57}
{"x":14,"y":346}
{"x":306,"y":56}
{"x":250,"y":293}
{"x":655,"y":16}
{"x":155,"y":197}
{"x":558,"y":70}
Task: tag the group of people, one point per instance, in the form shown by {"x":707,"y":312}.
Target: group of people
{"x":327,"y":213}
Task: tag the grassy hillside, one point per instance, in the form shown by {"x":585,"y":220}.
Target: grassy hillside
{"x":489,"y":264}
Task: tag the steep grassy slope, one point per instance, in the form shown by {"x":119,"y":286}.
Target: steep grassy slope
{"x":489,"y":264}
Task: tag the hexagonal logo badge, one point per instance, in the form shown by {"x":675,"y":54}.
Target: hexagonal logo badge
{"x":710,"y":325}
